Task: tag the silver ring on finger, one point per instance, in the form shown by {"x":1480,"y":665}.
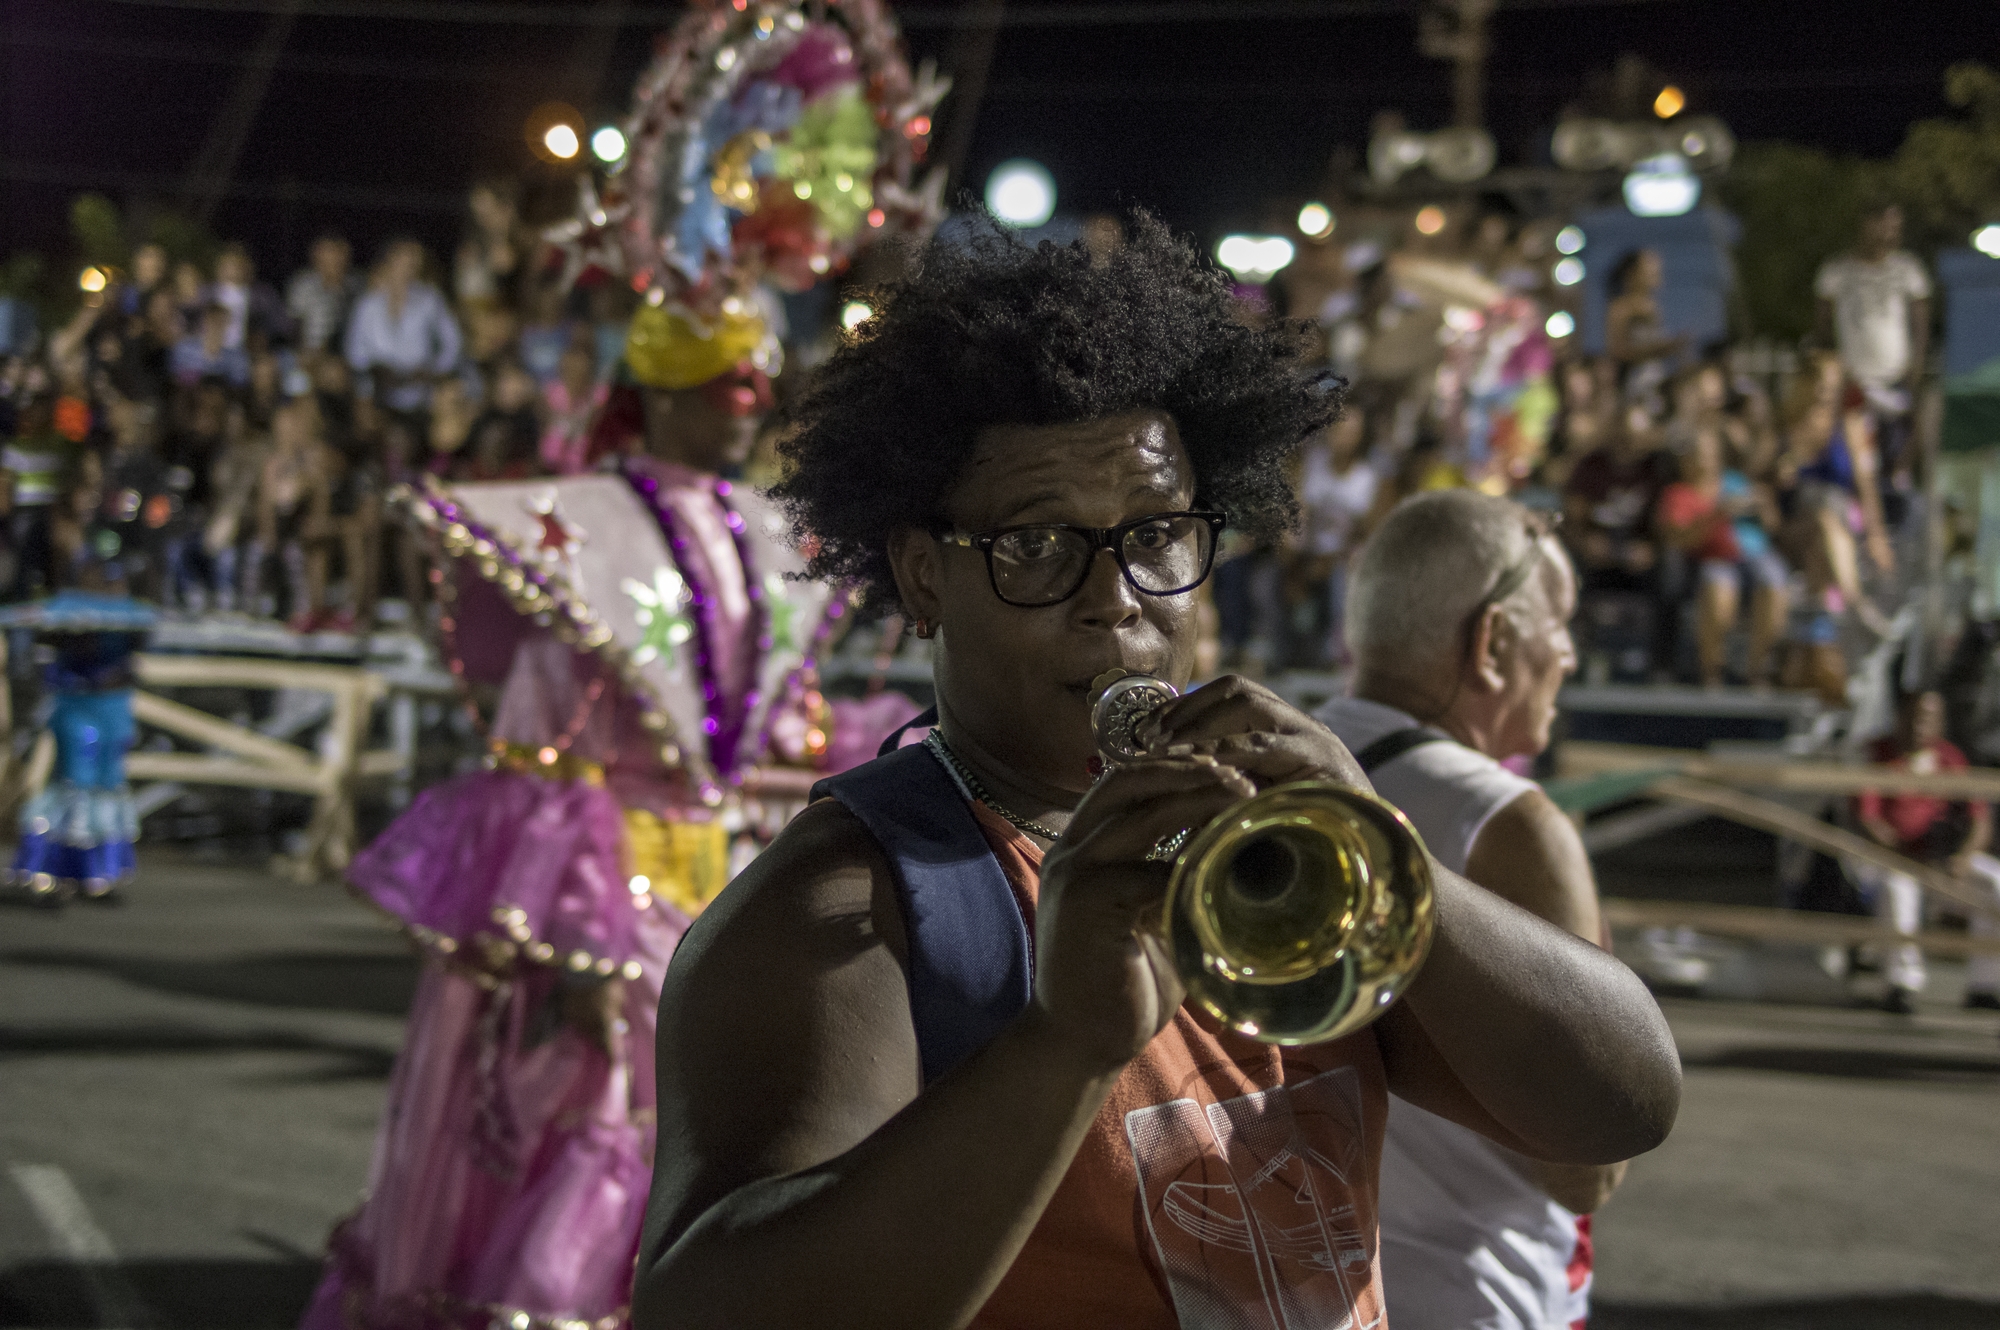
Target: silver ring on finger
{"x":1168,"y":847}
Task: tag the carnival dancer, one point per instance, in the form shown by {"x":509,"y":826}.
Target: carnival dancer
{"x":1459,"y":619}
{"x":644,"y":635}
{"x":79,"y":832}
{"x":924,"y":1062}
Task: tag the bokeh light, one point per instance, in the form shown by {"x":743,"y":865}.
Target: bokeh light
{"x":1568,"y":272}
{"x":1561,"y":324}
{"x":1669,"y":103}
{"x":855,"y":313}
{"x":1254,"y":258}
{"x":561,"y":141}
{"x":1570,"y":240}
{"x":1430,"y":219}
{"x":608,"y":144}
{"x":1021,"y":193}
{"x":1316,"y":221}
{"x":1987,"y":240}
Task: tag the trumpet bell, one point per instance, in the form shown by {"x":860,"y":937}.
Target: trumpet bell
{"x":1301,"y":913}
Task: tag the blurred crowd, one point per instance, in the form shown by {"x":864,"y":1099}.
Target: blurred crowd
{"x":1733,"y":519}
{"x":217,"y":442}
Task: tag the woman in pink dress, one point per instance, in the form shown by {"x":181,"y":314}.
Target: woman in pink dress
{"x":656,"y":720}
{"x":645,"y":639}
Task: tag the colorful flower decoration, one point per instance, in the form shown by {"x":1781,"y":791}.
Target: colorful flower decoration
{"x":768,"y":142}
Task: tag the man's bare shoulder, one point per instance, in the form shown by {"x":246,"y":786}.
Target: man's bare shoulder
{"x":1530,"y":853}
{"x":823,"y":875}
{"x":784,"y":1034}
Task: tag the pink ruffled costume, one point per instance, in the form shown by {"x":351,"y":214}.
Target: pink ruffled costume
{"x":511,"y":1168}
{"x":510,"y":1173}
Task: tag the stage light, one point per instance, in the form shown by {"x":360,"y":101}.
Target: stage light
{"x":855,"y":313}
{"x":608,"y":144}
{"x":1254,"y":258}
{"x":1662,"y":186}
{"x":1561,"y":324}
{"x":1568,"y":272}
{"x":1987,"y":240}
{"x":1670,"y":103}
{"x":1570,"y":240}
{"x":1316,"y":221}
{"x":1021,"y":193}
{"x":92,"y":280}
{"x":1430,"y":219}
{"x":561,"y":141}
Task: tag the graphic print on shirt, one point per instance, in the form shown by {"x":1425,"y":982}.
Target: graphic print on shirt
{"x":1251,"y":1210}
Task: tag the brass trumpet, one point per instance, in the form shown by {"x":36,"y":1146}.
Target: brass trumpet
{"x":1298,"y":915}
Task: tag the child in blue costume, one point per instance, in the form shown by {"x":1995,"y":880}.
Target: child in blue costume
{"x":77,"y":834}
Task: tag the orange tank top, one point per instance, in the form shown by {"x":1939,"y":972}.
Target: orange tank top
{"x":1225,"y":1183}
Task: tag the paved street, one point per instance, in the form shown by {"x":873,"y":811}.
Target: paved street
{"x":188,"y":1086}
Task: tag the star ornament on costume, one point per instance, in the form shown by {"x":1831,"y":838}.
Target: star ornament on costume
{"x":590,"y":238}
{"x":557,"y":541}
{"x":664,"y":624}
{"x":779,"y":613}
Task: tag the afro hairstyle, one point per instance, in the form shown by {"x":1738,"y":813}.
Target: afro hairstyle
{"x":988,"y":332}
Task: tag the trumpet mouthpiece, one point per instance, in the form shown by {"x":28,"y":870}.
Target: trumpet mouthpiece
{"x":1120,"y":701}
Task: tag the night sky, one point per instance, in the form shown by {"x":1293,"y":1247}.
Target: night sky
{"x":375,"y":125}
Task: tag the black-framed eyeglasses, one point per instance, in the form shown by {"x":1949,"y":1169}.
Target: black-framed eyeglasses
{"x":1046,"y":563}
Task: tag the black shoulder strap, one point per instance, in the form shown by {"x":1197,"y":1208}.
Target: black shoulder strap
{"x":1394,"y":744}
{"x":969,"y":967}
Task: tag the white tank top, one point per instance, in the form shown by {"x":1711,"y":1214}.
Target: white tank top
{"x":1468,"y":1241}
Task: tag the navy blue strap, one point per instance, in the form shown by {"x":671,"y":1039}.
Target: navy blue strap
{"x":969,"y":970}
{"x":927,"y":717}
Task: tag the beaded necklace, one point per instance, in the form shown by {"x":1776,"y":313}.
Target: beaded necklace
{"x":968,"y":785}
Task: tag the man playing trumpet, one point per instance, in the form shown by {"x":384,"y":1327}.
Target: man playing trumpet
{"x":926,"y":1063}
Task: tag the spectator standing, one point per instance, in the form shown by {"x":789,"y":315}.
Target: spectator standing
{"x":401,"y":332}
{"x":190,"y":289}
{"x":321,"y":294}
{"x":1337,"y":491}
{"x":1924,"y":827}
{"x":149,"y":274}
{"x":256,"y":316}
{"x":1874,"y":303}
{"x":489,"y":259}
{"x":1635,"y":332}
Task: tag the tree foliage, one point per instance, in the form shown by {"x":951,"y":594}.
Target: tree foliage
{"x":1799,"y":206}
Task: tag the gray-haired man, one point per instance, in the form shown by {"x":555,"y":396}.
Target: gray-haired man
{"x":1458,"y":617}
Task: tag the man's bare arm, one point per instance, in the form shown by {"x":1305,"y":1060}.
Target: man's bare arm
{"x":1530,"y":853}
{"x":1531,"y":1036}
